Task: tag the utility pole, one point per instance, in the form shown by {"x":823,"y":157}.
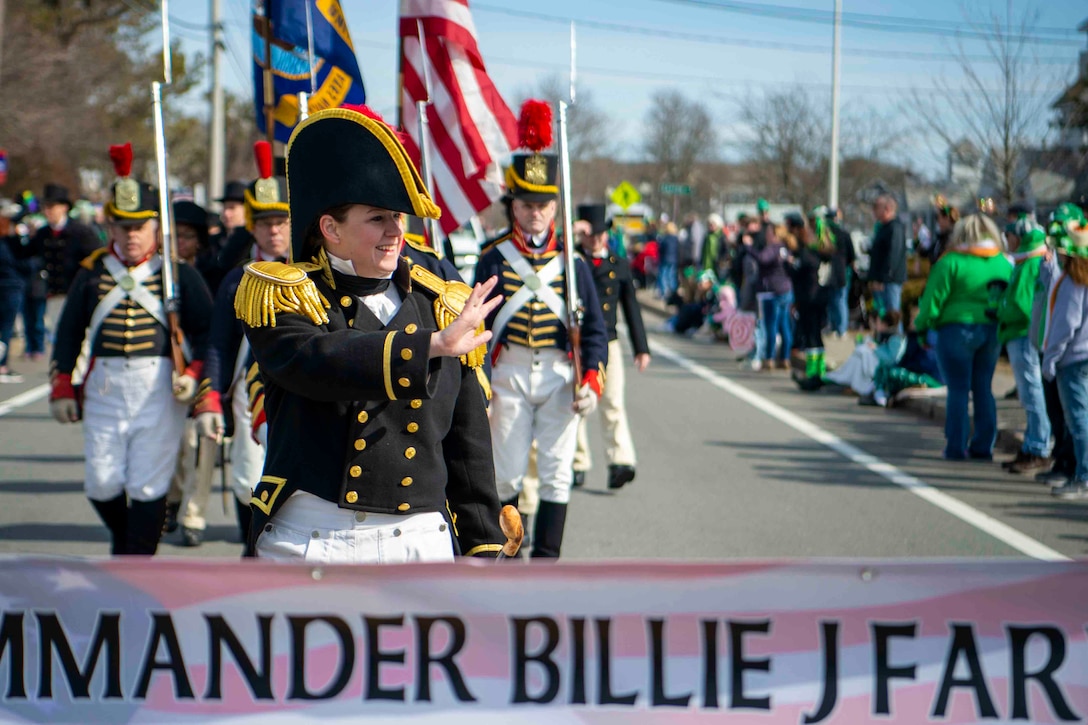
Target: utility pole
{"x":218,"y":130}
{"x":836,"y":72}
{"x":1,"y":30}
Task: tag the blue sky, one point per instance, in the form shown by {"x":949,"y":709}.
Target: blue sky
{"x":749,"y":52}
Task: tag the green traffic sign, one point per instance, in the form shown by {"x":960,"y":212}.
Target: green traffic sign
{"x":626,"y":195}
{"x":676,"y":189}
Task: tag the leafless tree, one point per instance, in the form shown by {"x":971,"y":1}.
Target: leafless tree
{"x":679,"y":133}
{"x":589,"y":129}
{"x":1001,"y":105}
{"x":786,"y":138}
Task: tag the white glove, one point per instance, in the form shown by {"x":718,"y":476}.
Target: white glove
{"x":64,"y":410}
{"x":586,"y":400}
{"x":210,"y":425}
{"x":184,"y":388}
{"x":261,"y":435}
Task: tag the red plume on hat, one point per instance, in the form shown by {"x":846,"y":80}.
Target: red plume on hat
{"x":535,"y":125}
{"x":262,"y":152}
{"x":121,"y":156}
{"x":372,"y":114}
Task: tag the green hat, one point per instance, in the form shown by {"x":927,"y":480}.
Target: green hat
{"x":762,"y":205}
{"x":1065,"y":215}
{"x":1032,"y":239}
{"x":1075,"y":242}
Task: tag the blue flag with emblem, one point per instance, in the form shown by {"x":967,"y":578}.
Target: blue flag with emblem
{"x":281,"y":27}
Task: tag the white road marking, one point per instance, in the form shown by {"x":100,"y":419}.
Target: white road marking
{"x":972,"y":516}
{"x":31,"y":396}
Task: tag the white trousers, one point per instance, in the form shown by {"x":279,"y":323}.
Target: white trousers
{"x":618,"y":446}
{"x":246,"y":455}
{"x":531,"y":401}
{"x":132,"y":428}
{"x":308,"y":528}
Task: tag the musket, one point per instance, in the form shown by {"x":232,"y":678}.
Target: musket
{"x":170,"y":297}
{"x":575,"y":311}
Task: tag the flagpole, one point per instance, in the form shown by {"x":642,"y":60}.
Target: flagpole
{"x":269,"y":85}
{"x":310,"y":45}
{"x":425,"y":143}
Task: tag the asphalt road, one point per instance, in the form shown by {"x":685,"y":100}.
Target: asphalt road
{"x":732,"y":464}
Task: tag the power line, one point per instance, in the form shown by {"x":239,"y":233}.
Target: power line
{"x":893,"y":24}
{"x":742,"y":42}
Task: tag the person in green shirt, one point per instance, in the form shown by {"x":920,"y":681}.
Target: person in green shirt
{"x":1027,"y":244}
{"x":960,"y":303}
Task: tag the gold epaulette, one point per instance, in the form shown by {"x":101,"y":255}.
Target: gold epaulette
{"x":451,"y":300}
{"x":270,"y":287}
{"x":91,"y":259}
{"x":415,"y":241}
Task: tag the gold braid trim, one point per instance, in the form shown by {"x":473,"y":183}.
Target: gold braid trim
{"x":270,"y":287}
{"x":452,"y":297}
{"x":512,"y":180}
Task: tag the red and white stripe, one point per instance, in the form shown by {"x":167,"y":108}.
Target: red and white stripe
{"x":472,"y":128}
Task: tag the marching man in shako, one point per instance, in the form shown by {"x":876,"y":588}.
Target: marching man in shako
{"x":532,"y":378}
{"x":374,"y":390}
{"x":134,"y":402}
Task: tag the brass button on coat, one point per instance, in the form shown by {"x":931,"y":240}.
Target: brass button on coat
{"x":360,"y":444}
{"x":351,"y":497}
{"x":363,"y":416}
{"x":404,"y":507}
{"x":405,"y":354}
{"x":355,"y":471}
{"x":345,"y":301}
{"x":416,"y":404}
{"x":404,"y":382}
{"x":264,"y":496}
{"x":406,"y":481}
{"x":411,"y":327}
{"x":611,"y":275}
{"x":413,"y":427}
{"x":410,"y":453}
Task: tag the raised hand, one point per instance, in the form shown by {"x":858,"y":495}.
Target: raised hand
{"x":460,"y":337}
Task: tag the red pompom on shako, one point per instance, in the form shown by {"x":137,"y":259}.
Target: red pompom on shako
{"x":121,"y":156}
{"x":535,"y":125}
{"x":262,"y":152}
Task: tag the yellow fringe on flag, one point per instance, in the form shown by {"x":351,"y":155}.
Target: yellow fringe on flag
{"x":268,"y":288}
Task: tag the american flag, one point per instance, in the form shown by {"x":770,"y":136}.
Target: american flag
{"x":472,"y":129}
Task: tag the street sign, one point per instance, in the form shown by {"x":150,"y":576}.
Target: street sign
{"x":626,"y":195}
{"x":676,"y":189}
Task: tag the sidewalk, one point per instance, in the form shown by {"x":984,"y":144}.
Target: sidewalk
{"x":929,"y":404}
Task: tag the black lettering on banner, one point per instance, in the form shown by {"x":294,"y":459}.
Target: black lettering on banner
{"x":219,"y":633}
{"x":107,"y":633}
{"x":604,"y":668}
{"x":659,"y":656}
{"x":11,"y":633}
{"x":963,"y":642}
{"x":445,"y":660}
{"x":739,"y":665}
{"x":162,"y":630}
{"x":710,"y":663}
{"x":299,"y":689}
{"x":375,"y":658}
{"x":578,"y":661}
{"x":1018,"y":680}
{"x":884,"y":671}
{"x":829,"y":635}
{"x":543,"y":657}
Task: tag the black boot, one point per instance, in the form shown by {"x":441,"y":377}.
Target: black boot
{"x":578,"y":478}
{"x":145,"y":519}
{"x":244,"y":515}
{"x":114,"y":514}
{"x":171,"y":523}
{"x":551,"y":518}
{"x":619,"y":476}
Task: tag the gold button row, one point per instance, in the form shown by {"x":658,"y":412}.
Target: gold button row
{"x":413,"y":427}
{"x":355,"y":471}
{"x":406,"y":481}
{"x":360,"y":444}
{"x":351,"y":497}
{"x":363,"y":416}
{"x":410,"y":453}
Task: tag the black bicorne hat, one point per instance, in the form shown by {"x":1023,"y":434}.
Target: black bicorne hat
{"x":346,"y":156}
{"x":131,"y":201}
{"x":596,"y":215}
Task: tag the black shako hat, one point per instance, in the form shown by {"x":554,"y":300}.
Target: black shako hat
{"x":596,"y":215}
{"x":349,"y":156}
{"x":266,"y":196}
{"x":233,"y":191}
{"x":56,"y":194}
{"x":132,"y":202}
{"x":533,"y":177}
